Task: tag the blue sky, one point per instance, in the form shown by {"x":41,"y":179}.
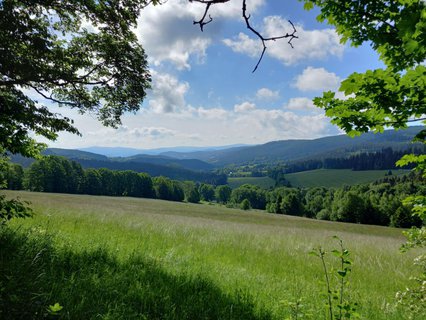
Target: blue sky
{"x":204,"y":92}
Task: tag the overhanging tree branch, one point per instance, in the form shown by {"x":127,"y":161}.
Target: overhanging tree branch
{"x":202,"y":22}
{"x":47,"y":97}
{"x":262,"y":38}
{"x":206,"y":19}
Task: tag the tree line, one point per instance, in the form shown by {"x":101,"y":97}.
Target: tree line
{"x":379,"y":203}
{"x":60,"y":175}
{"x":173,"y":172}
{"x":384,"y":159}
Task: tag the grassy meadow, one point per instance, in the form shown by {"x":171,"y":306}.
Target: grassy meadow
{"x":129,"y":258}
{"x":329,"y":178}
{"x":335,"y":178}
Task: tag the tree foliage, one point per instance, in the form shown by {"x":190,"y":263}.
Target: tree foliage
{"x":384,"y":97}
{"x":80,"y":54}
{"x":206,"y":192}
{"x":223,"y":193}
{"x":380,"y":98}
{"x":254,"y":194}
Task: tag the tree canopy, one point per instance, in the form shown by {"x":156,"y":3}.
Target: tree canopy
{"x":389,"y":97}
{"x":386,"y":97}
{"x":81,"y":54}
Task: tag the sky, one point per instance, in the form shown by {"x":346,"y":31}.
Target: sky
{"x":204,"y":92}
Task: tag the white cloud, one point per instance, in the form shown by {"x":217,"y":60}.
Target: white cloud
{"x":231,"y":9}
{"x":317,"y":79}
{"x":168,"y":94}
{"x":301,"y":104}
{"x":212,"y":113}
{"x":199,"y":127}
{"x":279,"y":124}
{"x":244,"y":44}
{"x":267,"y":94}
{"x":244,"y":107}
{"x":311,"y":44}
{"x":167,"y":31}
{"x":167,"y":34}
{"x":206,"y":113}
{"x":152,"y":132}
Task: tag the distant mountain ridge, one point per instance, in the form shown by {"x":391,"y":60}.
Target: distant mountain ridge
{"x":128,"y":152}
{"x":272,"y":153}
{"x":139,"y":160}
{"x":294,"y":150}
{"x":190,"y":164}
{"x":187,"y":169}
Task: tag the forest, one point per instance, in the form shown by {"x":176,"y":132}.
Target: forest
{"x":379,"y":203}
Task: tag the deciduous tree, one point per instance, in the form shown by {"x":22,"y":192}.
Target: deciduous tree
{"x":80,"y":54}
{"x":386,"y":97}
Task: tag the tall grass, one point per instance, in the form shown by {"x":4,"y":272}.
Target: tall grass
{"x":125,"y":258}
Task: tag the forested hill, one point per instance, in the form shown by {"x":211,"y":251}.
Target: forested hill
{"x":137,"y":160}
{"x":186,"y":169}
{"x":292,"y":150}
{"x":178,"y":165}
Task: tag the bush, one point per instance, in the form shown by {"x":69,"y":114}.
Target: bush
{"x":245,"y":204}
{"x":324,"y":214}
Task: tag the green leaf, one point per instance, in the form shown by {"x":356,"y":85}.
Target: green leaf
{"x":54,"y":309}
{"x":308,"y":6}
{"x":336,"y":253}
{"x":342,"y":273}
{"x":411,"y":46}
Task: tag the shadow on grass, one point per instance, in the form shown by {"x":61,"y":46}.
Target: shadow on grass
{"x":94,"y":285}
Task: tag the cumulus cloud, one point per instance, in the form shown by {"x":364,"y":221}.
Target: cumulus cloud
{"x":279,"y":124}
{"x":125,"y":132}
{"x":244,"y":107}
{"x":317,"y":79}
{"x":311,"y":44}
{"x":168,"y":34}
{"x":244,"y":44}
{"x":203,"y":127}
{"x":211,"y":113}
{"x":152,"y":132}
{"x":168,"y":94}
{"x":301,"y":104}
{"x":267,"y":94}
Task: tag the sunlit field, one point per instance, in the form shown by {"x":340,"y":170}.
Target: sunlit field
{"x":128,"y":258}
{"x":335,"y":178}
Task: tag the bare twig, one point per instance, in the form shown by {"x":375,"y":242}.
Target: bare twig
{"x":262,"y":38}
{"x":204,"y":20}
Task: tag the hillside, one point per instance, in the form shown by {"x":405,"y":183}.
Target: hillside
{"x":292,"y":150}
{"x":329,"y":178}
{"x":336,"y":178}
{"x":188,"y":166}
{"x":186,"y":169}
{"x":150,"y":259}
{"x":128,"y":152}
{"x":176,"y":172}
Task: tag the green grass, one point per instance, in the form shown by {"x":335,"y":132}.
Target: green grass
{"x":334,"y":178}
{"x":263,"y":182}
{"x":128,"y":258}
